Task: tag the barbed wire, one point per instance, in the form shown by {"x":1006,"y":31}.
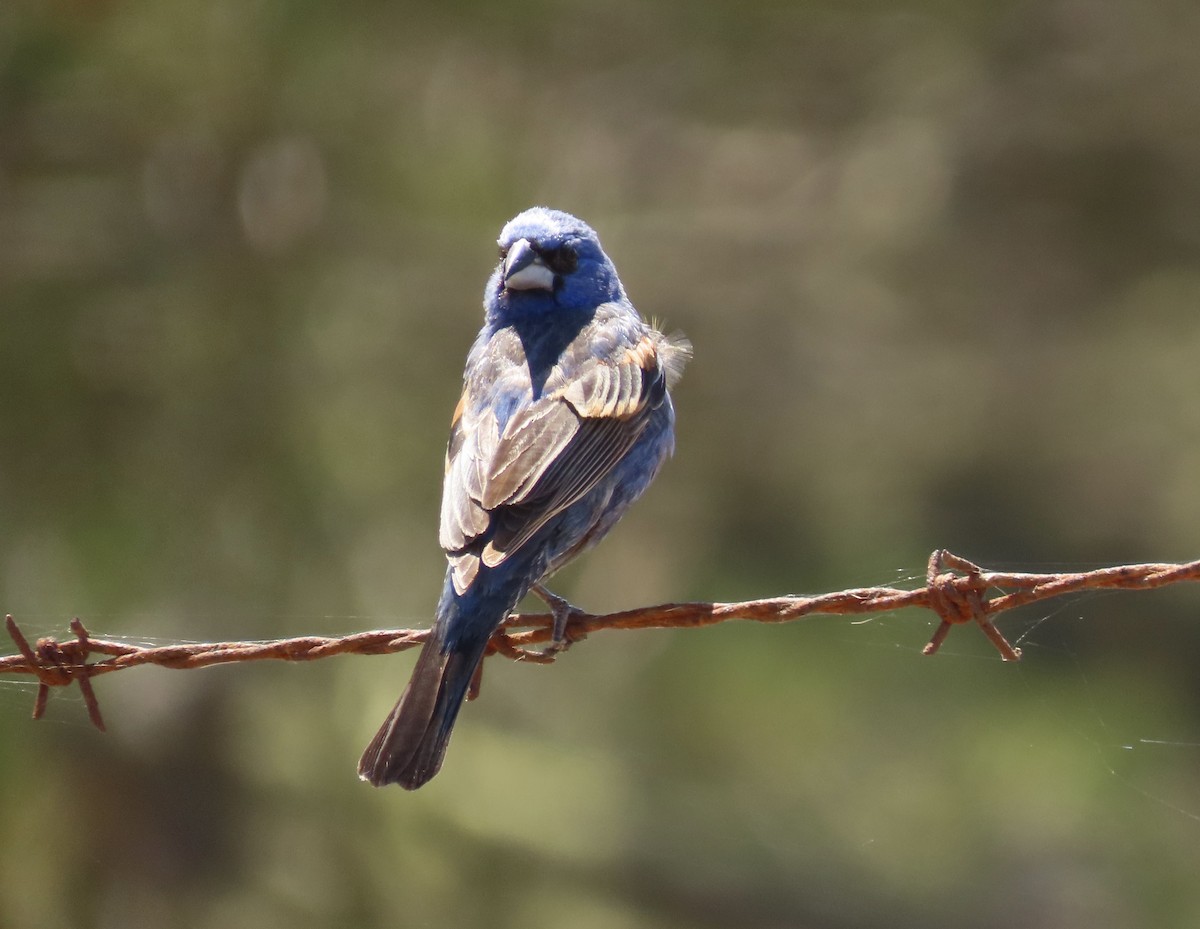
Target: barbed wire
{"x":956,"y":590}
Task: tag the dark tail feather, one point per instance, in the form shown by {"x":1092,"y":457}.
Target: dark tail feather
{"x":409,"y":746}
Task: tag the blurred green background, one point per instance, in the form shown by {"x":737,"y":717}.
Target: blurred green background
{"x":941,"y":266}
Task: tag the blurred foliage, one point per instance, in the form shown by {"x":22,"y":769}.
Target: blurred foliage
{"x":941,"y":265}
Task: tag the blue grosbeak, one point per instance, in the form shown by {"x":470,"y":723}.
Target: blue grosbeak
{"x":564,"y":420}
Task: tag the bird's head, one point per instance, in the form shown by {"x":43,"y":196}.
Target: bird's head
{"x":550,"y":260}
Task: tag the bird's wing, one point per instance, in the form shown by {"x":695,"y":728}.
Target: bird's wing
{"x":550,"y":452}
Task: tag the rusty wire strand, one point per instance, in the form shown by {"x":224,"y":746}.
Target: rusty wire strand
{"x":956,"y":590}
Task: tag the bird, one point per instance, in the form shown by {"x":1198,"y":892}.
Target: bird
{"x":564,"y":420}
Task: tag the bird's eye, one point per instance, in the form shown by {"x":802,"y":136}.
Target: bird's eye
{"x":503,"y":249}
{"x":562,"y":260}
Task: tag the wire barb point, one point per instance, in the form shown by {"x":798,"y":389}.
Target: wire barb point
{"x":58,"y":665}
{"x":961,"y":598}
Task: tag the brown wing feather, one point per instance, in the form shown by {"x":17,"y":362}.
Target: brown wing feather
{"x":550,"y":454}
{"x":614,"y":408}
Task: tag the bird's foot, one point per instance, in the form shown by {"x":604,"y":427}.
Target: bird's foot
{"x":563,"y":612}
{"x":503,"y":644}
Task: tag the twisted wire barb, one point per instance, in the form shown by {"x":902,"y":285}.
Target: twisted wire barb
{"x":956,"y":590}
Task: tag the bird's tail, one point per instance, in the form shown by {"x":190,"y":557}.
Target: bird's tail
{"x":409,"y":746}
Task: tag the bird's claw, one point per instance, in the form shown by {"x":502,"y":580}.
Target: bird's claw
{"x":563,"y":612}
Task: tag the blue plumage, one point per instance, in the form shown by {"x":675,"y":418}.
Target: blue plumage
{"x":564,"y":420}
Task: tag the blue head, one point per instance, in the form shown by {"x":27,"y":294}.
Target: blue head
{"x":549,"y":260}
